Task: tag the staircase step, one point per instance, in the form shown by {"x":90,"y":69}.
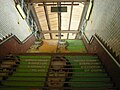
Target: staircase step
{"x":86,"y":63}
{"x":86,"y":79}
{"x":90,"y":74}
{"x":35,"y":63}
{"x":48,"y":88}
{"x":90,"y":84}
{"x":26,"y":70}
{"x":81,"y":70}
{"x":22,"y":83}
{"x":29,"y":74}
{"x":34,"y":60}
{"x":32,"y":66}
{"x":3,"y":74}
{"x":26,"y":78}
{"x":88,"y":70}
{"x":87,"y":57}
{"x":1,"y":78}
{"x":82,"y":60}
{"x":34,"y":57}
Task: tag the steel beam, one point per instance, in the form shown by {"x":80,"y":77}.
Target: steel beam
{"x":70,"y":19}
{"x":63,"y":31}
{"x":48,"y":1}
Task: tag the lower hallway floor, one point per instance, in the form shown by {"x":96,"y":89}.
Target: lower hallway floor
{"x":56,"y":46}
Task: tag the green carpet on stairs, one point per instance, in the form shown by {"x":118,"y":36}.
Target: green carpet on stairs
{"x":23,"y":83}
{"x":26,"y":79}
{"x":91,"y":71}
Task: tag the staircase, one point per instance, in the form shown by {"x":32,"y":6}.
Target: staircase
{"x":84,"y":72}
{"x":88,"y":73}
{"x":29,"y":74}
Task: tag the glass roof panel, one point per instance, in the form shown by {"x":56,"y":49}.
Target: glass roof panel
{"x":64,"y":35}
{"x":76,"y":16}
{"x":47,"y":36}
{"x":72,"y":35}
{"x":54,"y":35}
{"x":65,"y":18}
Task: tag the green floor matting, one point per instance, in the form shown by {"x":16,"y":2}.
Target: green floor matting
{"x":91,"y":84}
{"x":34,"y":57}
{"x":22,"y":83}
{"x":91,"y":71}
{"x":83,"y":72}
{"x":30,"y":72}
{"x":76,"y":46}
{"x":84,"y":79}
{"x":26,"y":78}
{"x":90,"y":74}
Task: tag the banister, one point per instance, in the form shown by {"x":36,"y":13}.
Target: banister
{"x":20,"y":42}
{"x":6,"y":39}
{"x":88,"y":41}
{"x":107,"y":51}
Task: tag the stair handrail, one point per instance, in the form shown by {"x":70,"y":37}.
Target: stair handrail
{"x":106,"y":50}
{"x":95,"y":36}
{"x":87,"y":40}
{"x":22,"y":42}
{"x":3,"y":41}
{"x":17,"y":39}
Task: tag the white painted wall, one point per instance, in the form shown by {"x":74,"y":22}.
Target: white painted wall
{"x":11,"y":21}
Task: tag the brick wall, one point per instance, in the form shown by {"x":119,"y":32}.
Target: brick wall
{"x":105,"y":21}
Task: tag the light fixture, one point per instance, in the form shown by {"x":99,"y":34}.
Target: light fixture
{"x":59,"y":35}
{"x":20,"y":10}
{"x":89,"y":10}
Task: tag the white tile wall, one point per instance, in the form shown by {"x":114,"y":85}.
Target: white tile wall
{"x":9,"y":19}
{"x":105,"y":21}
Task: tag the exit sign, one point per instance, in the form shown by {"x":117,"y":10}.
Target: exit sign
{"x":59,"y":9}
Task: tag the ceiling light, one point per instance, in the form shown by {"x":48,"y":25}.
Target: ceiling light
{"x":59,"y":35}
{"x":20,"y":10}
{"x":89,"y":10}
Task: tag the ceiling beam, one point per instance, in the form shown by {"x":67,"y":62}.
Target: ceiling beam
{"x":63,"y":31}
{"x":81,"y":20}
{"x":36,"y":20}
{"x":45,"y":1}
{"x":47,"y":18}
{"x":70,"y":19}
{"x":57,"y":4}
{"x":59,"y":20}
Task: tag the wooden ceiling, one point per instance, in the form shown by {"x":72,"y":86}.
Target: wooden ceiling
{"x":64,"y":25}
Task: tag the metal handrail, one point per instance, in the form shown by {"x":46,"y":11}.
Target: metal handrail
{"x":20,"y":42}
{"x":107,"y":51}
